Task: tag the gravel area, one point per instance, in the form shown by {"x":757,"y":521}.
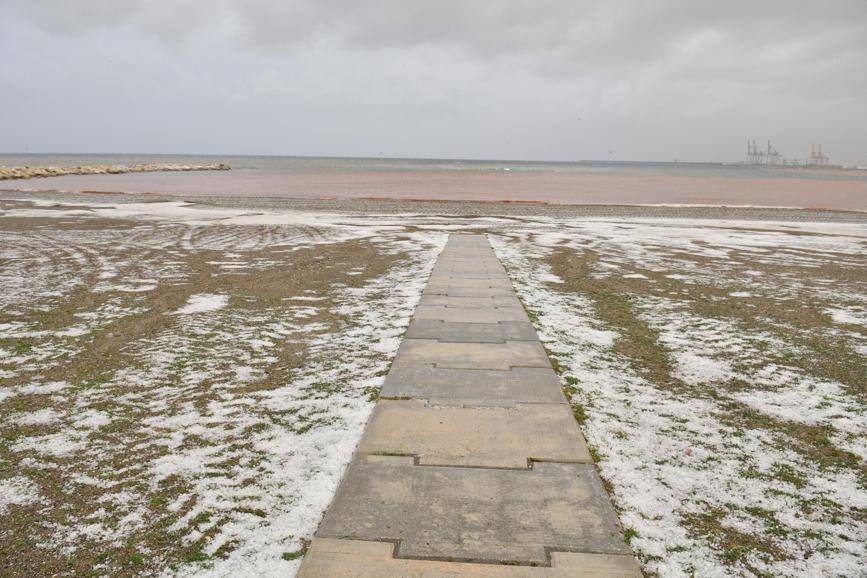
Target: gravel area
{"x":477,"y":209}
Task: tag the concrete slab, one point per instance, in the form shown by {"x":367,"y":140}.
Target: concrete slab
{"x":475,"y":263}
{"x":462,"y":260}
{"x":472,"y":386}
{"x":467,"y":246}
{"x":458,"y":247}
{"x":329,"y":558}
{"x":437,"y":274}
{"x":469,"y":314}
{"x":433,"y":289}
{"x":456,"y":239}
{"x":467,"y":257}
{"x":480,"y":437}
{"x":449,"y":301}
{"x":472,"y":355}
{"x":447,"y":277}
{"x":481,"y":261}
{"x":464,"y":266}
{"x":452,"y":283}
{"x":470,"y":268}
{"x":475,"y":514}
{"x":471,"y":332}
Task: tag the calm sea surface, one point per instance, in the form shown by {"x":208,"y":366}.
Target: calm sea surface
{"x":492,"y":180}
{"x":329,"y":164}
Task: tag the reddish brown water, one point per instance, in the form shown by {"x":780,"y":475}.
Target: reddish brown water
{"x":551,"y":187}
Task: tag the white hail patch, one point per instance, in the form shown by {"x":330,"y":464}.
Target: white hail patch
{"x":851,"y":316}
{"x":19,"y":491}
{"x":203,"y":303}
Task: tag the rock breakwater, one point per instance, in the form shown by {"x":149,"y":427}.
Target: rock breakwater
{"x":34,"y":172}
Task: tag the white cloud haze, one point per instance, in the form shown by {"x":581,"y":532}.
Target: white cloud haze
{"x":533,"y":79}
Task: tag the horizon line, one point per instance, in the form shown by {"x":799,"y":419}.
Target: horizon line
{"x":385,"y":158}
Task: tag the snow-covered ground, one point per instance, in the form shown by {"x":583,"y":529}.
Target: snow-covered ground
{"x":228,"y":423}
{"x":181,"y":385}
{"x":704,"y":435}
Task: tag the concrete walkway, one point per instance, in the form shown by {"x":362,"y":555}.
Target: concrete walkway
{"x":472,"y":463}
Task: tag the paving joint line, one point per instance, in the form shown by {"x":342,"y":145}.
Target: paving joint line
{"x":396,"y":543}
{"x":417,"y":462}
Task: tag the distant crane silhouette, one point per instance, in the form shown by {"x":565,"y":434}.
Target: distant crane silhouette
{"x":755,"y":156}
{"x":771,"y":157}
{"x":817,"y":157}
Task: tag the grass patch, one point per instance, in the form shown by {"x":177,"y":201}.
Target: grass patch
{"x":733,"y":546}
{"x":613,"y":303}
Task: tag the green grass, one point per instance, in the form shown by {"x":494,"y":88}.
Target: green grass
{"x":292,"y":555}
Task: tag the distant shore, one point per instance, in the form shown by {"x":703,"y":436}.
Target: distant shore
{"x":27,"y":172}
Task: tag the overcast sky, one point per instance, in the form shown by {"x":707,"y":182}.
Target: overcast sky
{"x":511,"y":79}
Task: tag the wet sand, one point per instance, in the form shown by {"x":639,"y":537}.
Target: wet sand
{"x":840,"y":192}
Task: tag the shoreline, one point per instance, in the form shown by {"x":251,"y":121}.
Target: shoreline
{"x":458,"y":208}
{"x":414,"y":200}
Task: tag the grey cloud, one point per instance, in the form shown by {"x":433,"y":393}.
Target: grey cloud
{"x":654,"y":79}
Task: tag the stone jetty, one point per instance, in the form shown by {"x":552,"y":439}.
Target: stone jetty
{"x":7,"y":173}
